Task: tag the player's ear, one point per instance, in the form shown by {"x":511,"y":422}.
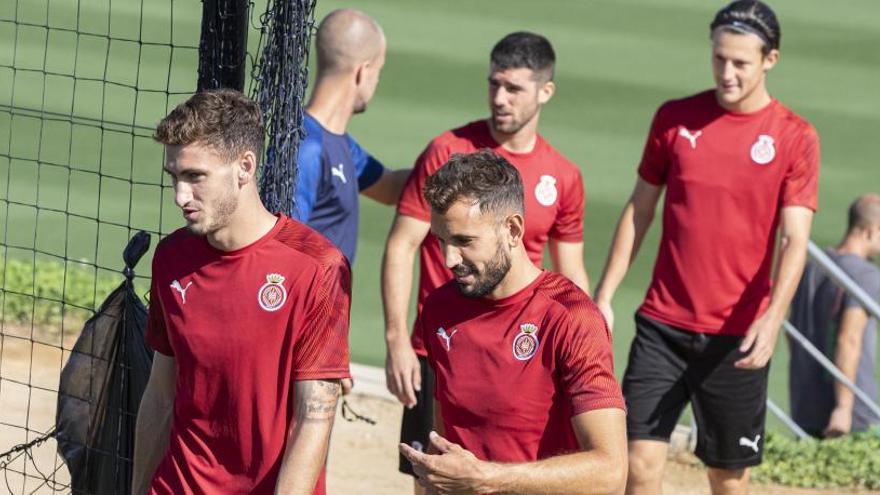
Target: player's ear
{"x":515,"y":226}
{"x":771,"y":59}
{"x":546,"y":91}
{"x":247,"y":167}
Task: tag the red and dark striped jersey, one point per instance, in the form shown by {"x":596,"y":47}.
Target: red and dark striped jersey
{"x":554,"y":199}
{"x":511,"y":373}
{"x":243,"y":326}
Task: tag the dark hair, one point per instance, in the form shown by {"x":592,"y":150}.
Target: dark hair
{"x":525,"y":50}
{"x":750,"y":16}
{"x":483,"y":177}
{"x":223,"y":119}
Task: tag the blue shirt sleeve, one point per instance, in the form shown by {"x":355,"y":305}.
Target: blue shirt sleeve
{"x":368,"y":169}
{"x":308,"y":176}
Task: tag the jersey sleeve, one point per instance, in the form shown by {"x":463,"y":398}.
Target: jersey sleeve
{"x":412,"y":199}
{"x":157,"y":332}
{"x":569,"y":223}
{"x":654,"y":166}
{"x":801,"y":184}
{"x":308,"y":178}
{"x":585,"y":361}
{"x":322,"y":347}
{"x":368,"y":169}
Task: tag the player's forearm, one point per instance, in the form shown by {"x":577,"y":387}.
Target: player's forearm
{"x":397,"y":266}
{"x":309,"y":438}
{"x":387,"y":190}
{"x":568,"y":259}
{"x":631,"y":228}
{"x":790,"y":267}
{"x":151,"y":440}
{"x":591,"y":472}
{"x":846,"y":358}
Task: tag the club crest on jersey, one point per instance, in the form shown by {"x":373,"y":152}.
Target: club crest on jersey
{"x":272,"y":294}
{"x":545,"y":191}
{"x":763,"y":151}
{"x":525,"y":345}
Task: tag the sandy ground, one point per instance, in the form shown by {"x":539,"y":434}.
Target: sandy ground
{"x":363,"y":457}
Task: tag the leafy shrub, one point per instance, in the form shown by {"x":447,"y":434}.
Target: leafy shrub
{"x":852,"y":461}
{"x":43,"y":292}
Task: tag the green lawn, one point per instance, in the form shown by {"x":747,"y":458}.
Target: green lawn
{"x":617,"y":61}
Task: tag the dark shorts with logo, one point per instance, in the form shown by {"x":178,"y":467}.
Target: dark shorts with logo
{"x":669,"y":367}
{"x":418,"y":422}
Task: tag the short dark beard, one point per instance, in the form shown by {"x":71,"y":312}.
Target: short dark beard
{"x":495,"y":271}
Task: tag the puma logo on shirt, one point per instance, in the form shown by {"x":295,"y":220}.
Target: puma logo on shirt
{"x":441,"y":332}
{"x":683,"y":132}
{"x":176,"y":286}
{"x":338,"y":172}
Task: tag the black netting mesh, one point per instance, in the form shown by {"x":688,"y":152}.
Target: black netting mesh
{"x":82,"y":85}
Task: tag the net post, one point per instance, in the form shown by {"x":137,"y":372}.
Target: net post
{"x":223,"y":44}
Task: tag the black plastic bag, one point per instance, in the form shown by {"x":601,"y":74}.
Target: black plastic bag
{"x":101,"y":388}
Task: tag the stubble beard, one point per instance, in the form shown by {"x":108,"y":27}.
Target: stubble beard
{"x":492,"y":275}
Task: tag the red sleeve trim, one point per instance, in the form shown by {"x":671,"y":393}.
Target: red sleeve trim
{"x":656,"y":181}
{"x":609,"y":402}
{"x":331,"y":374}
{"x":417,"y":213}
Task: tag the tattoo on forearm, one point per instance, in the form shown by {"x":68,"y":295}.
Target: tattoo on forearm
{"x":316,"y":400}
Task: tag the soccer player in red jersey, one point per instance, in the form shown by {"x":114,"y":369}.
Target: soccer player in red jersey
{"x":525,"y":391}
{"x":520,"y":83}
{"x":737,"y":167}
{"x":249,"y":319}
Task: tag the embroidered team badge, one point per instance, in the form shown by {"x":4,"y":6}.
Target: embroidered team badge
{"x":763,"y":151}
{"x":545,"y":191}
{"x":272,"y":294}
{"x":525,"y":345}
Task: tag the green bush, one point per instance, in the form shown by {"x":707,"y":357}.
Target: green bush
{"x":852,"y":461}
{"x":43,"y":292}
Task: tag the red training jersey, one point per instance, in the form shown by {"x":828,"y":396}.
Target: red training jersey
{"x":511,"y":373}
{"x":727,"y":175}
{"x":243,"y":326}
{"x":554,"y":199}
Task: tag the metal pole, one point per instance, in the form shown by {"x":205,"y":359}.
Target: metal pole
{"x":223,"y":44}
{"x":828,"y":365}
{"x":801,"y":434}
{"x":841,"y":278}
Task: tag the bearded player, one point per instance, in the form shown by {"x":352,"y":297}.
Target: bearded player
{"x":737,"y":167}
{"x":520,"y":83}
{"x":249,"y":319}
{"x":526,"y":399}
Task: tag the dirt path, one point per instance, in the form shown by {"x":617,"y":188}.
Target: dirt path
{"x":363,"y":459}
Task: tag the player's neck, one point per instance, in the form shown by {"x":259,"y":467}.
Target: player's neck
{"x":248,"y":224}
{"x":522,"y":273}
{"x":521,"y":141}
{"x":753,"y":102}
{"x":331,"y":104}
{"x":853,"y":245}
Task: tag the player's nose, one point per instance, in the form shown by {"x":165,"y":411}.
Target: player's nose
{"x":452,"y":256}
{"x":182,"y":194}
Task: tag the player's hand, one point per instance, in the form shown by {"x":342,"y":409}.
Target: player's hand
{"x":347,"y":385}
{"x":839,"y":424}
{"x":453,"y":471}
{"x":403,"y":377}
{"x":759,"y":342}
{"x":608,"y":313}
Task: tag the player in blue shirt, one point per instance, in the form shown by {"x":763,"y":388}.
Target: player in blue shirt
{"x":333,"y":167}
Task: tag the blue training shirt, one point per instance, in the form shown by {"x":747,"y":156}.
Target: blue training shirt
{"x":332,"y":170}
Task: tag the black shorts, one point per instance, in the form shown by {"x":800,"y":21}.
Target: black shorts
{"x":669,"y":367}
{"x":418,"y":422}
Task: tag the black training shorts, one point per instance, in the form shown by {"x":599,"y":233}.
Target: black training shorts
{"x":669,"y":367}
{"x":418,"y":422}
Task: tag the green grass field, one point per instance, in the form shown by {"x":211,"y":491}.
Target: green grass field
{"x":617,"y":61}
